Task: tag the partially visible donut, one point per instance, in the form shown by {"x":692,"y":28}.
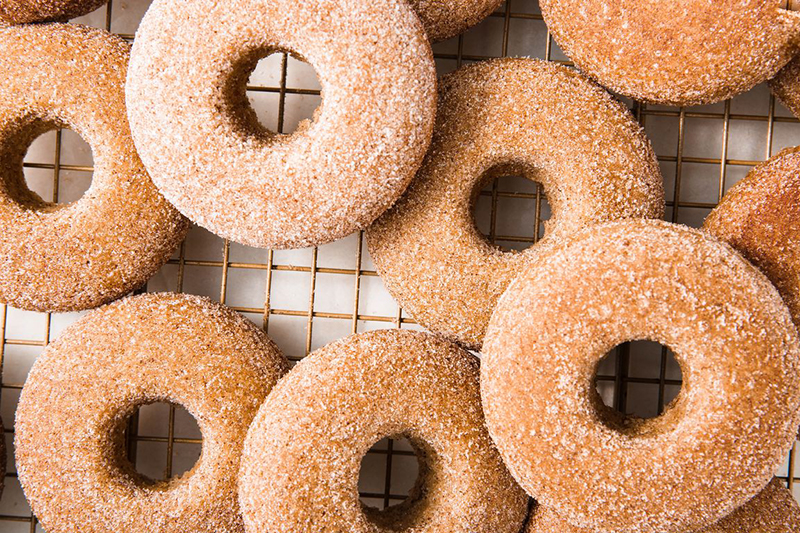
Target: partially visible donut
{"x":73,"y":408}
{"x":786,"y":86}
{"x":443,"y":20}
{"x":206,"y":151}
{"x":760,"y":218}
{"x":303,"y":452}
{"x":714,"y":448}
{"x":27,"y":11}
{"x":774,"y":510}
{"x":676,"y":53}
{"x":529,"y":117}
{"x":80,"y":255}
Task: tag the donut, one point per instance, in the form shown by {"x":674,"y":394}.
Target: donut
{"x":70,"y":257}
{"x":786,"y":86}
{"x":714,"y":448}
{"x":522,"y":117}
{"x":774,"y":510}
{"x":80,"y":392}
{"x":675,"y":53}
{"x":302,"y":455}
{"x":760,"y":218}
{"x":443,"y":20}
{"x":27,"y":11}
{"x":335,"y":174}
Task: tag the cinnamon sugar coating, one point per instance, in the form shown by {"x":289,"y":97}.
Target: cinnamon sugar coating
{"x":76,"y":401}
{"x":303,"y":452}
{"x":207,"y":153}
{"x":676,"y":53}
{"x":27,"y":11}
{"x":714,"y":448}
{"x":68,"y":257}
{"x":443,"y":20}
{"x":501,"y":117}
{"x":774,"y":510}
{"x":786,"y":86}
{"x":760,"y":218}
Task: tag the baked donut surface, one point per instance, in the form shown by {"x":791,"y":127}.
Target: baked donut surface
{"x":68,"y":257}
{"x":303,"y":452}
{"x":774,"y":510}
{"x":675,"y":53}
{"x":27,"y":11}
{"x":760,"y":218}
{"x":206,"y":151}
{"x":714,"y":448}
{"x":443,"y":20}
{"x":512,"y":116}
{"x":786,"y":86}
{"x":76,"y":401}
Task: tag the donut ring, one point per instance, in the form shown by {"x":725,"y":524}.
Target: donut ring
{"x":80,"y":255}
{"x":300,"y":473}
{"x":675,"y":53}
{"x":84,"y":386}
{"x":715,"y":447}
{"x":786,"y":86}
{"x":257,"y":187}
{"x":760,"y":218}
{"x":774,"y":510}
{"x":443,"y":20}
{"x":27,"y":11}
{"x":591,"y":156}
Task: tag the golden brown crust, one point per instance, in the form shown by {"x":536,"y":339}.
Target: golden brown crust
{"x":786,"y":86}
{"x":676,"y":53}
{"x":108,"y":243}
{"x":157,"y":347}
{"x":303,"y":452}
{"x":760,"y":218}
{"x":27,"y":11}
{"x":714,"y":448}
{"x":545,"y":120}
{"x":774,"y":510}
{"x":443,"y":20}
{"x":331,"y":177}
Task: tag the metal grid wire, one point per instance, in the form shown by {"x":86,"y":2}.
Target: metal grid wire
{"x":307,"y":298}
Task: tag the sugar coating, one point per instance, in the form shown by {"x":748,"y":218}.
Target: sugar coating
{"x":201,"y":140}
{"x":108,"y":243}
{"x":786,"y":86}
{"x":303,"y":452}
{"x":507,"y":116}
{"x":443,"y":20}
{"x":774,"y":510}
{"x":715,"y":447}
{"x":164,"y":347}
{"x":27,"y":11}
{"x":676,"y":53}
{"x":760,"y":218}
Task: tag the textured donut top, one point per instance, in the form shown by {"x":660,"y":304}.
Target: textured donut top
{"x":27,"y":11}
{"x":675,"y":52}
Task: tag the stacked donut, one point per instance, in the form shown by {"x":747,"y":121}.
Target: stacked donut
{"x":175,"y":140}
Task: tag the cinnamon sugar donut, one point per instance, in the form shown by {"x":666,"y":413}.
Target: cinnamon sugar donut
{"x":443,"y":20}
{"x":760,"y":218}
{"x":76,"y":401}
{"x":203,"y":145}
{"x":676,"y":53}
{"x":303,"y":452}
{"x":774,"y":510}
{"x":68,"y":257}
{"x":786,"y":86}
{"x":521,"y":116}
{"x":27,"y":11}
{"x":714,"y":448}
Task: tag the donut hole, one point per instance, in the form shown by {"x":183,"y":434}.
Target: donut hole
{"x":57,"y":167}
{"x":277,"y":93}
{"x":391,"y":480}
{"x":157,"y":443}
{"x":638,"y":382}
{"x":510,"y":207}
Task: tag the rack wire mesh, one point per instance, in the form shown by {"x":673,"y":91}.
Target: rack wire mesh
{"x":306,"y":298}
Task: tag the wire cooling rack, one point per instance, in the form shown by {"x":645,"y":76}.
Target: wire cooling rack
{"x":307,"y":298}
